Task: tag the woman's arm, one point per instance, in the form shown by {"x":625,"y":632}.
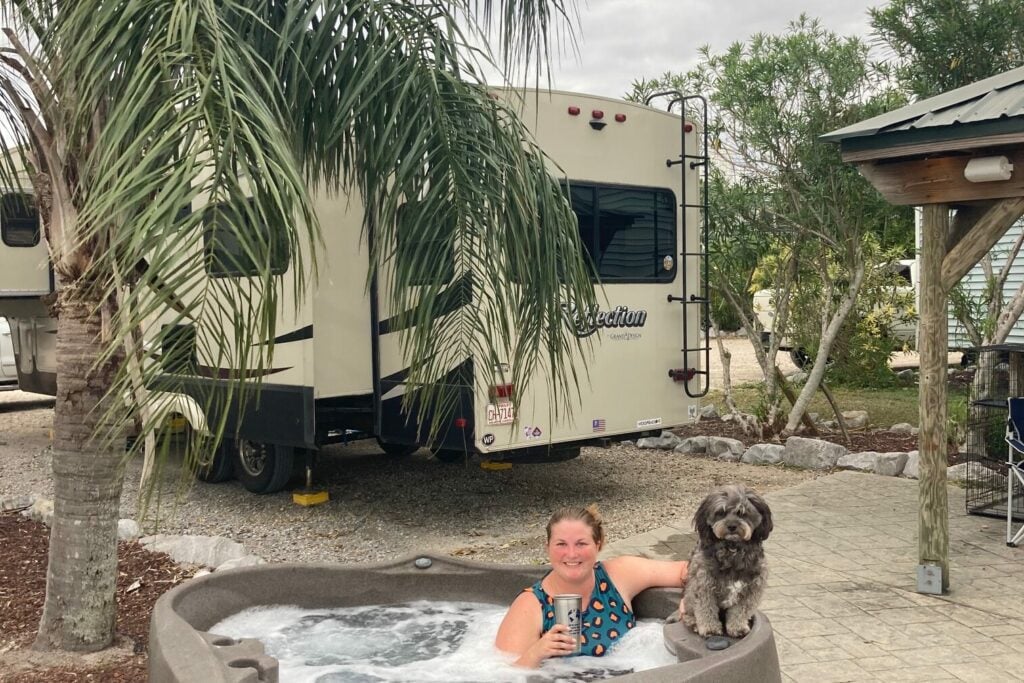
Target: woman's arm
{"x":520,"y":634}
{"x":632,"y":574}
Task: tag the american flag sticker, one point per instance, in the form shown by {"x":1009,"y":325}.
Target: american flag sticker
{"x":598,"y":425}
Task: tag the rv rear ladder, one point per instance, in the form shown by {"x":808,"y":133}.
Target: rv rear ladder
{"x":696,"y":354}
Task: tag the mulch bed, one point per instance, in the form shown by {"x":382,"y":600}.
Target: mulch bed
{"x":143,"y":577}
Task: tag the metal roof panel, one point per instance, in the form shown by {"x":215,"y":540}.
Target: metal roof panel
{"x":1000,"y":96}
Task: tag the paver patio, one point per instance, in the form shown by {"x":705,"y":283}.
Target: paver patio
{"x":842,"y":592}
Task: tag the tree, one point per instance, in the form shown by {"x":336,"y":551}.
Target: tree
{"x":940,"y":45}
{"x":127,"y":114}
{"x":772,"y":98}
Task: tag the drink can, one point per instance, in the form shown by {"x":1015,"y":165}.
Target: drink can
{"x":569,"y":611}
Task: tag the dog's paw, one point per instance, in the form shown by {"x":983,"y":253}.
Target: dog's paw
{"x":705,"y":630}
{"x":738,"y":630}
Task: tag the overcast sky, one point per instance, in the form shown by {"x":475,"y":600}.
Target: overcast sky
{"x":622,"y":40}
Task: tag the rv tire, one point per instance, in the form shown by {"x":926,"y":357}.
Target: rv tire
{"x":222,"y":466}
{"x":397,"y":450}
{"x":448,"y":455}
{"x":263,"y":467}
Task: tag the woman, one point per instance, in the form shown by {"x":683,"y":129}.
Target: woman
{"x":575,"y":537}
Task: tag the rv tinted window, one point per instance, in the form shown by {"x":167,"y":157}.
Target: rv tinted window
{"x":627,"y":232}
{"x":414,"y":241}
{"x":19,"y":220}
{"x":225,"y":254}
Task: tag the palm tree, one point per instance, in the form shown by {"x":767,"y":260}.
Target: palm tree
{"x":126,"y":115}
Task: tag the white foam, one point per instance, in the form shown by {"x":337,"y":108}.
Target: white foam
{"x":419,"y":641}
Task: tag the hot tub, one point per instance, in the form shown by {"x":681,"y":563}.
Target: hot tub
{"x":182,"y":650}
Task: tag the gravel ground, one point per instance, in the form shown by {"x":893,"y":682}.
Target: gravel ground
{"x":382,"y":508}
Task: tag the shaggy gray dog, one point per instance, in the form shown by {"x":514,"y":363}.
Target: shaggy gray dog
{"x":727,"y":568}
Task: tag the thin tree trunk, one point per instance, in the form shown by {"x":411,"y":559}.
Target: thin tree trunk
{"x":835,"y":410}
{"x":791,"y":397}
{"x":88,"y":473}
{"x":828,"y":337}
{"x":748,"y":425}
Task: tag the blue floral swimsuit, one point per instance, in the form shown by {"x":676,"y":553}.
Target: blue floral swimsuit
{"x":605,"y":618}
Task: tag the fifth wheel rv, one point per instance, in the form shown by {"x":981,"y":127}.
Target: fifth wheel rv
{"x":635,"y":177}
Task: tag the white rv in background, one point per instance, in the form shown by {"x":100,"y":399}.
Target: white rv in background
{"x":635,"y":177}
{"x":8,"y":368}
{"x":25,"y":278}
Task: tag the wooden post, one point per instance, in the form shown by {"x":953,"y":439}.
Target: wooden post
{"x":933,"y":515}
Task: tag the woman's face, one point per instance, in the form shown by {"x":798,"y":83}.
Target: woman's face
{"x":572,"y":550}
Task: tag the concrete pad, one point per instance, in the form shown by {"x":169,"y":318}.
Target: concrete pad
{"x":842,"y":587}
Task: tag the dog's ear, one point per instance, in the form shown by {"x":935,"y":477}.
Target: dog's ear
{"x":766,"y":525}
{"x":700,"y":520}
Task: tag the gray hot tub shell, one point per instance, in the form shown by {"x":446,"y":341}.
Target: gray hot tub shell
{"x":182,"y":650}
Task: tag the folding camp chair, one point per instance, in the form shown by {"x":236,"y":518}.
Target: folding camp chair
{"x":1015,"y":462}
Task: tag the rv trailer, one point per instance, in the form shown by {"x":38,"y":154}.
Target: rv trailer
{"x":25,"y":280}
{"x":635,"y":177}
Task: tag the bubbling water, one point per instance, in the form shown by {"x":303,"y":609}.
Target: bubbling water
{"x":420,"y":641}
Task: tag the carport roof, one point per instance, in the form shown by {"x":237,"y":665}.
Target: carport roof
{"x":991,"y":108}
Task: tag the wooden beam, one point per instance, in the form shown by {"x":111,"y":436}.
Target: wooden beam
{"x":940,"y":147}
{"x":982,"y":236}
{"x":933,"y":504}
{"x":939,"y":180}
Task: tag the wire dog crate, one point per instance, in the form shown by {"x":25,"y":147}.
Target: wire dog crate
{"x":999,"y":374}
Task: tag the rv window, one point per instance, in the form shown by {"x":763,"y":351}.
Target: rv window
{"x":225,"y":255}
{"x":627,"y":232}
{"x":19,"y":220}
{"x":412,"y":242}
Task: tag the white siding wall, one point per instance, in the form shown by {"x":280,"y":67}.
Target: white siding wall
{"x":974,"y":282}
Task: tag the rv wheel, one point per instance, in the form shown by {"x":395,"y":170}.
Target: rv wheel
{"x":800,"y":358}
{"x":448,"y":455}
{"x":219,"y":470}
{"x":397,"y":450}
{"x":263,"y":467}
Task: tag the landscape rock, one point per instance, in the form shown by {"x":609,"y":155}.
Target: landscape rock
{"x":709,"y":412}
{"x":41,"y":510}
{"x":812,"y":454}
{"x":724,"y":448}
{"x":903,"y":428}
{"x":798,"y":377}
{"x":763,"y":454}
{"x":977,"y":472}
{"x":666,"y":441}
{"x":16,"y":502}
{"x":127,"y":529}
{"x":855,"y":419}
{"x":886,"y":464}
{"x":906,"y":375}
{"x":910,"y":470}
{"x":693,"y":444}
{"x":210,"y":551}
{"x":247,"y":561}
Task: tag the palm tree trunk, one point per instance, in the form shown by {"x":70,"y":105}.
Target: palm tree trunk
{"x":88,"y":473}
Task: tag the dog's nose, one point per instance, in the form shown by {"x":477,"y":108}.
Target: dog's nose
{"x":732,"y":526}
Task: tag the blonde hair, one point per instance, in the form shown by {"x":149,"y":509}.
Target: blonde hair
{"x":588,"y":515}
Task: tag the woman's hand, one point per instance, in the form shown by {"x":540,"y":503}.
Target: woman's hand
{"x":555,"y":643}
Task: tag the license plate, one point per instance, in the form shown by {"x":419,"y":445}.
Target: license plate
{"x":500,"y":414}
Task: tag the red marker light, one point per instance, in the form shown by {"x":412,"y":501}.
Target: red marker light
{"x":460,"y":423}
{"x":687,"y":127}
{"x":597,"y":114}
{"x":574,"y":111}
{"x":620,"y":117}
